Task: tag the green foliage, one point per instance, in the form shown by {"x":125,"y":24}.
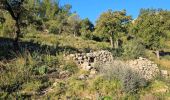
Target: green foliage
{"x":107,"y":98}
{"x":86,"y":28}
{"x":106,"y":87}
{"x":88,"y":36}
{"x":75,"y":88}
{"x":74,"y":24}
{"x":20,"y":75}
{"x":24,"y":74}
{"x":71,"y":67}
{"x":53,"y":26}
{"x":151,"y":27}
{"x":32,"y":86}
{"x":133,"y":49}
{"x":7,"y":28}
{"x":131,"y":97}
{"x":12,"y":78}
{"x":118,"y":52}
{"x":112,"y":24}
{"x":41,"y":70}
{"x":49,"y":9}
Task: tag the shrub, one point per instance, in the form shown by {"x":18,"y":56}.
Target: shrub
{"x":53,"y":29}
{"x":75,"y":87}
{"x":40,"y":70}
{"x":101,"y":37}
{"x":131,"y":81}
{"x":103,"y":86}
{"x":88,"y":36}
{"x":71,"y":67}
{"x":107,"y":98}
{"x":117,"y":52}
{"x":133,"y":49}
{"x":112,"y":70}
{"x":32,"y":86}
{"x":13,"y":76}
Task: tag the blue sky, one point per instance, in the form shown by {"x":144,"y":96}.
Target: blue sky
{"x":93,"y":8}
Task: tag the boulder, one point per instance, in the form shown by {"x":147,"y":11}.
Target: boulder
{"x":87,"y":68}
{"x":82,"y":77}
{"x":85,"y":64}
{"x":93,"y":72}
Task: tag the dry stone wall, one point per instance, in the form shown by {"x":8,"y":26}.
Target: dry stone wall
{"x":146,"y":68}
{"x":87,"y":61}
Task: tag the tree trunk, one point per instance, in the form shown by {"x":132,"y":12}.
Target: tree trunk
{"x":59,"y":31}
{"x":74,"y":34}
{"x":18,"y":31}
{"x":111,"y":42}
{"x":117,"y":44}
{"x":157,"y":54}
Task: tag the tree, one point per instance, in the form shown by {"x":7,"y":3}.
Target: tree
{"x":15,"y":8}
{"x":74,"y":24}
{"x":2,"y":19}
{"x":62,"y":17}
{"x":49,"y":9}
{"x":151,"y":28}
{"x":86,"y":26}
{"x":112,"y":24}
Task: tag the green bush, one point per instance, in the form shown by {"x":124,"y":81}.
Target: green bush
{"x":71,"y":67}
{"x":53,"y":29}
{"x":88,"y":36}
{"x":104,"y":86}
{"x":118,"y":52}
{"x":75,"y":87}
{"x":107,"y":98}
{"x":133,"y":49}
{"x":12,"y":77}
{"x":40,"y":70}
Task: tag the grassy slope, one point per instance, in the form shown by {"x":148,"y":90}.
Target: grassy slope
{"x":81,"y":44}
{"x":66,"y":40}
{"x":75,"y":87}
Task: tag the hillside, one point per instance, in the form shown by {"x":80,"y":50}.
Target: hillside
{"x":47,"y":52}
{"x":53,"y":77}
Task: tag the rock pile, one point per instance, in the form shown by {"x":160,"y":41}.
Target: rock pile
{"x":146,"y":68}
{"x":87,"y":61}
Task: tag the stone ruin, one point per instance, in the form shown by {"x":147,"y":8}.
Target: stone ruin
{"x":87,"y":61}
{"x":146,"y":68}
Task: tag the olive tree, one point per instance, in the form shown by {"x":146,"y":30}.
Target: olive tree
{"x":113,"y":24}
{"x":151,"y":28}
{"x":15,"y":9}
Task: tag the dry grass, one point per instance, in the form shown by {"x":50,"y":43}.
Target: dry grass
{"x":163,"y":62}
{"x":66,"y":40}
